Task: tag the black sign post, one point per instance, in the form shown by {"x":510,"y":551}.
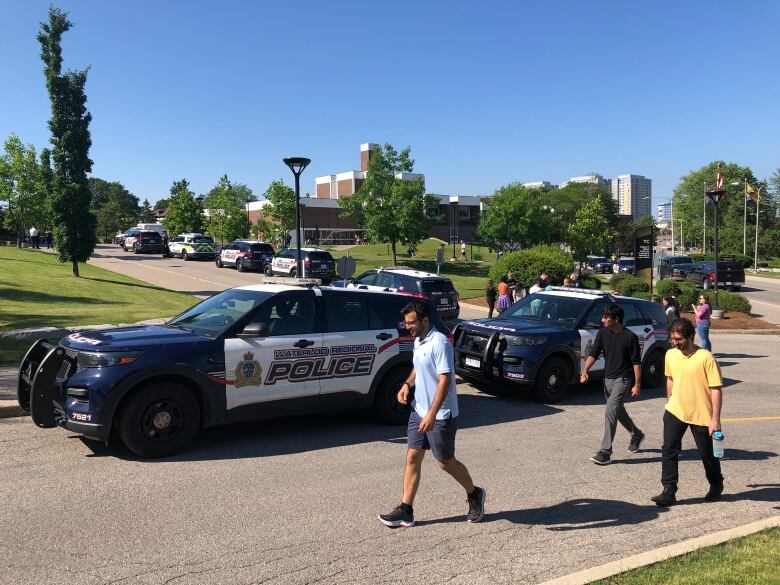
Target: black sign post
{"x":643,"y":257}
{"x":716,"y":196}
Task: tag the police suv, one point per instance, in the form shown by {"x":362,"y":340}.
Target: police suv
{"x":246,"y":255}
{"x":262,"y":350}
{"x":315,"y":263}
{"x":190,"y":246}
{"x":542,"y":341}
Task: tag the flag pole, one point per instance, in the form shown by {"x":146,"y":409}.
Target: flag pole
{"x":755,"y":253}
{"x":704,"y":235}
{"x":744,"y":222}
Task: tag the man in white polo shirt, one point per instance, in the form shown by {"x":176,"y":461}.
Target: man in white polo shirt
{"x":433,"y":421}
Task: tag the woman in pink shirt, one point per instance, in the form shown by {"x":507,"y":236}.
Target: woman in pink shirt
{"x":703,"y":312}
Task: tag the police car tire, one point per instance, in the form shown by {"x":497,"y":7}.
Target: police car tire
{"x":137,"y":417}
{"x":268,"y":271}
{"x":184,"y":255}
{"x":386,"y":406}
{"x":240,"y":265}
{"x":653,"y":369}
{"x":219,"y":262}
{"x":552,"y":366}
{"x":135,"y":249}
{"x":293,"y":273}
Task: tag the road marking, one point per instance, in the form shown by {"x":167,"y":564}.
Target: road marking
{"x":749,"y":419}
{"x":176,"y":274}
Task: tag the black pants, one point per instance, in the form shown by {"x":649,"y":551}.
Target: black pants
{"x":674,"y":429}
{"x":491,"y":305}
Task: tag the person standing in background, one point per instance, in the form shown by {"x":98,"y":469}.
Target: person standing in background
{"x":34,"y":241}
{"x":703,"y":313}
{"x":671,"y":311}
{"x":490,"y":297}
{"x":49,"y":238}
{"x":463,"y":249}
{"x":504,"y":300}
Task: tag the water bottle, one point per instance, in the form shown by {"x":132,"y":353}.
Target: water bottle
{"x":718,"y":447}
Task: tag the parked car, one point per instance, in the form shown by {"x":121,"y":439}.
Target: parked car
{"x":191,"y":246}
{"x":246,"y":255}
{"x":599,"y":264}
{"x":402,"y":279}
{"x":731,"y":274}
{"x":316,"y":263}
{"x":129,"y":238}
{"x":625,"y":266}
{"x":542,"y":341}
{"x":258,"y":351}
{"x":675,"y":267}
{"x":148,"y":241}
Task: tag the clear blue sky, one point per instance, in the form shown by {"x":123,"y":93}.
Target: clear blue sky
{"x":485,"y":93}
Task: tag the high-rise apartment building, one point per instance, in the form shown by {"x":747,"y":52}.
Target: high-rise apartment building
{"x":633,"y":194}
{"x":593,"y":178}
{"x":663,"y":214}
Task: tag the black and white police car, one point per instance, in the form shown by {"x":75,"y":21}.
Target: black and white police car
{"x":246,"y":255}
{"x":315,"y":263}
{"x":541,"y":342}
{"x":264,"y":350}
{"x":436,"y":288}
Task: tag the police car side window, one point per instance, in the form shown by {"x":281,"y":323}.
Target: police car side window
{"x":593,"y":320}
{"x":385,"y":280}
{"x":654,"y":312}
{"x":346,"y":312}
{"x":384,"y":311}
{"x":631,"y":317}
{"x":289,"y":314}
{"x":367,"y":278}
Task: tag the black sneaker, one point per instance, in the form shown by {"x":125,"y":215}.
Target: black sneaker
{"x":636,"y":442}
{"x":398,"y":517}
{"x":715,"y":492}
{"x":665,"y":498}
{"x":476,"y":505}
{"x":601,"y":458}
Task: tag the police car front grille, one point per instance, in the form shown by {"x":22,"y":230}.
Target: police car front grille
{"x":473,"y":342}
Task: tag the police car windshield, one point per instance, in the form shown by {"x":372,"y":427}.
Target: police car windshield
{"x":203,"y":240}
{"x":214,"y":315}
{"x":548,"y":308}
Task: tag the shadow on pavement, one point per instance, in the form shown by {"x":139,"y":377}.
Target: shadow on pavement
{"x":269,"y":438}
{"x":693,"y":455}
{"x":577,"y":514}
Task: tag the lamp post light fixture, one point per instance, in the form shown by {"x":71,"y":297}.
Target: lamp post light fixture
{"x":716,"y":196}
{"x":297,"y":164}
{"x":454,"y":234}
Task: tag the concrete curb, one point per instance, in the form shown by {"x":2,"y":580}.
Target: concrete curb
{"x":10,"y":409}
{"x":663,"y":553}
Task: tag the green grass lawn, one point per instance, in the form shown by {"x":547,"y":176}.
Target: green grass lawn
{"x":38,"y":291}
{"x":752,"y":560}
{"x":468,"y":277}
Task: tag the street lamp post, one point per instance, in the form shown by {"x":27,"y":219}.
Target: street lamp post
{"x":716,"y":196}
{"x":297,"y":164}
{"x":453,"y":235}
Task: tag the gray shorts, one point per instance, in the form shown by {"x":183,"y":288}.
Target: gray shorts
{"x":441,"y":440}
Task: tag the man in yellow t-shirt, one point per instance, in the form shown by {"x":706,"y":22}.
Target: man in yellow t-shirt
{"x":693,"y":399}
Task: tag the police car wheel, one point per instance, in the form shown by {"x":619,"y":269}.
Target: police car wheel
{"x":268,"y":271}
{"x":240,"y":265}
{"x":386,"y":406}
{"x":159,"y":420}
{"x":219,"y":262}
{"x":293,"y":273}
{"x":653,"y":369}
{"x":552,"y":380}
{"x":184,"y":255}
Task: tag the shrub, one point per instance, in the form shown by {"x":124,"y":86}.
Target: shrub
{"x":627,"y":285}
{"x":526,"y":265}
{"x":590,"y":281}
{"x":688,"y":292}
{"x":642,"y":295}
{"x":732,"y":302}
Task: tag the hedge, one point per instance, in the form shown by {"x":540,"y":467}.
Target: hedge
{"x":589,"y":281}
{"x":690,"y":295}
{"x":627,"y":284}
{"x":526,"y":265}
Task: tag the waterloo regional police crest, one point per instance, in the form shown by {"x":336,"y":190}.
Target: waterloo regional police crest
{"x":248,"y":371}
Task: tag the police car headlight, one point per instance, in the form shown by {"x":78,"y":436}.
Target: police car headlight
{"x":515,"y":340}
{"x":95,"y":359}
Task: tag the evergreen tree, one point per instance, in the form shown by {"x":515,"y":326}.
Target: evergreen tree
{"x":146,"y":213}
{"x":186,"y":214}
{"x":74,"y":224}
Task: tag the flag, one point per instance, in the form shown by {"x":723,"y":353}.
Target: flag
{"x":719,"y":180}
{"x":753,"y":193}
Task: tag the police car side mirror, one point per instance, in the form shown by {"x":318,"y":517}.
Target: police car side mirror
{"x":255,"y":329}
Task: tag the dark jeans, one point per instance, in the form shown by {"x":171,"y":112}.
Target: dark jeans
{"x":491,"y":305}
{"x":674,"y":429}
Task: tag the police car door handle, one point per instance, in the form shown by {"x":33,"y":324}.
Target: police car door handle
{"x":384,"y":336}
{"x":303,"y":343}
{"x":647,"y":329}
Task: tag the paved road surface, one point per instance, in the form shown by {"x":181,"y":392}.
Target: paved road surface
{"x":764,"y":295}
{"x":295,"y":500}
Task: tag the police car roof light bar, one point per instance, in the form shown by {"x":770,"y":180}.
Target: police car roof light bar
{"x":293,"y":281}
{"x":587,"y":291}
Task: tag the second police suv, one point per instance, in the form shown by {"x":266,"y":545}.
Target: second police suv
{"x":262,"y":350}
{"x":541,"y":342}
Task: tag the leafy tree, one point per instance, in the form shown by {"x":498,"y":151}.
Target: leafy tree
{"x":161,"y":204}
{"x":390,"y":209}
{"x":186,"y":214}
{"x":21,"y":188}
{"x":126,"y":204}
{"x":281,"y":208}
{"x":146,"y":215}
{"x":74,"y":224}
{"x":589,"y":234}
{"x":516,"y":216}
{"x":227,"y":219}
{"x":626,"y":233}
{"x":264,"y":228}
{"x":109,"y":220}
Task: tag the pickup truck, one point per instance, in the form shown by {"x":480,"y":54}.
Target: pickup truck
{"x":675,"y":267}
{"x":731,"y":274}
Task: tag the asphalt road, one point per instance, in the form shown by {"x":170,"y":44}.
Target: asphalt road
{"x":295,"y":500}
{"x":764,"y":296}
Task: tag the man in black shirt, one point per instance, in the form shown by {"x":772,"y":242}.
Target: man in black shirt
{"x":622,"y":361}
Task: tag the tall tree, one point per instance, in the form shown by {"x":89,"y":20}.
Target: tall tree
{"x":161,"y":204}
{"x":589,"y":234}
{"x":226,"y":210}
{"x":74,"y":224}
{"x":516,"y":217}
{"x":389,"y":208}
{"x":186,"y":214}
{"x":146,"y":215}
{"x":280,"y":209}
{"x":21,"y":187}
{"x":125,"y":203}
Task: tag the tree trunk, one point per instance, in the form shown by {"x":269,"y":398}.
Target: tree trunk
{"x":76,"y":269}
{"x":392,"y":244}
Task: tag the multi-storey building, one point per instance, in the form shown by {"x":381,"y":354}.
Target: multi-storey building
{"x":543,"y":185}
{"x":663,"y":214}
{"x":633,"y":194}
{"x":593,"y":178}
